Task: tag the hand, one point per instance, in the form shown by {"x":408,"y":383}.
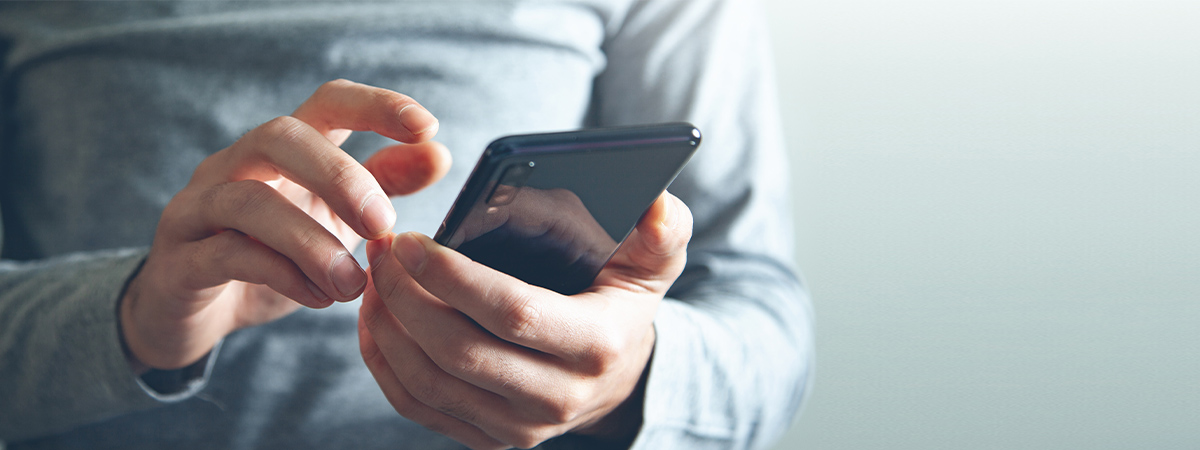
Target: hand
{"x":267,"y":224}
{"x":492,"y":362}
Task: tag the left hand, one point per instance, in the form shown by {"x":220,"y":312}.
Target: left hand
{"x":493,"y":362}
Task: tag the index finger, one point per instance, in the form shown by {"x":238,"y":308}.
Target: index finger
{"x":291,"y":148}
{"x":341,"y":106}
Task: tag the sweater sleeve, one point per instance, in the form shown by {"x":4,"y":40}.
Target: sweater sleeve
{"x":734,"y":349}
{"x":61,"y":360}
{"x":60,"y":357}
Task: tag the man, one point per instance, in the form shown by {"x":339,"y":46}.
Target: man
{"x":170,"y":279}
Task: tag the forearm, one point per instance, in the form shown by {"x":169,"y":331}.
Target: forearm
{"x":61,"y":362}
{"x":731,"y":362}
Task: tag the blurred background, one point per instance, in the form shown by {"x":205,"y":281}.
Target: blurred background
{"x":999,"y":220}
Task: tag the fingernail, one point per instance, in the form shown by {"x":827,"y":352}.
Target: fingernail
{"x":348,"y":278}
{"x":417,"y":120}
{"x":410,"y":252}
{"x":378,"y":215}
{"x":670,"y":214}
{"x":316,"y":291}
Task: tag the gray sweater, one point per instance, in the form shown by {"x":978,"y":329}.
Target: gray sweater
{"x":107,"y":109}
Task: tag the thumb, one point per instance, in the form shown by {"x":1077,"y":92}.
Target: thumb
{"x":406,"y":168}
{"x":654,"y":254}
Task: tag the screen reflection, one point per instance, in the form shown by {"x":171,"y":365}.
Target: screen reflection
{"x":545,"y":237}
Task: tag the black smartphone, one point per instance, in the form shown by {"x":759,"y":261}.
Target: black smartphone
{"x":552,"y":208}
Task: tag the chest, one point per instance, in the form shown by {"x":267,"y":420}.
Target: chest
{"x":108,"y":110}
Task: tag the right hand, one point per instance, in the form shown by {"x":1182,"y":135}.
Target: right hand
{"x":268,"y":224}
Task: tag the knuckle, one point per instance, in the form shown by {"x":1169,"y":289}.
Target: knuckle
{"x":566,"y":407}
{"x":426,"y":386}
{"x":565,"y":197}
{"x":252,"y":196}
{"x":403,"y":402}
{"x":283,"y":129}
{"x":523,"y":318}
{"x":319,"y":245}
{"x":209,"y":164}
{"x":387,"y":286}
{"x":238,"y":199}
{"x":524,"y":440}
{"x":601,"y":356}
{"x":460,"y":409}
{"x":513,"y":376}
{"x":469,"y":357}
{"x":344,"y":175}
{"x":429,"y":388}
{"x":333,"y":85}
{"x":207,"y":200}
{"x":374,"y":318}
{"x":307,"y":237}
{"x":435,"y":266}
{"x":218,"y":251}
{"x":196,"y":267}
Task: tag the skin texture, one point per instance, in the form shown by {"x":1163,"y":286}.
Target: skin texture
{"x":493,"y":362}
{"x":266,"y":225}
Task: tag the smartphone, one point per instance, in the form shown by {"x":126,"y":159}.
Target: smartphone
{"x":552,"y":208}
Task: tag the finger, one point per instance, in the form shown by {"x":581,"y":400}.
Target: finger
{"x":407,"y":168}
{"x":507,"y":307}
{"x":231,"y":255}
{"x":452,"y":340}
{"x":291,"y":148}
{"x":261,"y":212}
{"x":653,"y":256}
{"x":340,"y":106}
{"x":422,"y":378}
{"x":399,"y":396}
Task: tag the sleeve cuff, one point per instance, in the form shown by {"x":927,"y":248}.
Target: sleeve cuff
{"x":175,"y":385}
{"x":64,"y":366}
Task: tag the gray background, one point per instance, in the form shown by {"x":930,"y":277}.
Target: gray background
{"x":999,"y":221}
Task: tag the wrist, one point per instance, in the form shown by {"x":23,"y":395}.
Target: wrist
{"x":125,"y":328}
{"x":153,"y":339}
{"x":163,"y":381}
{"x":136,"y":365}
{"x":123,"y":302}
{"x":620,"y":427}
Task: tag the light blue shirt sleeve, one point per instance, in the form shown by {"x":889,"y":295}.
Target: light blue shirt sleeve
{"x":734,"y":349}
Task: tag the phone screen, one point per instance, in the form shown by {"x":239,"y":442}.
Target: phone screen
{"x":551,"y":209}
